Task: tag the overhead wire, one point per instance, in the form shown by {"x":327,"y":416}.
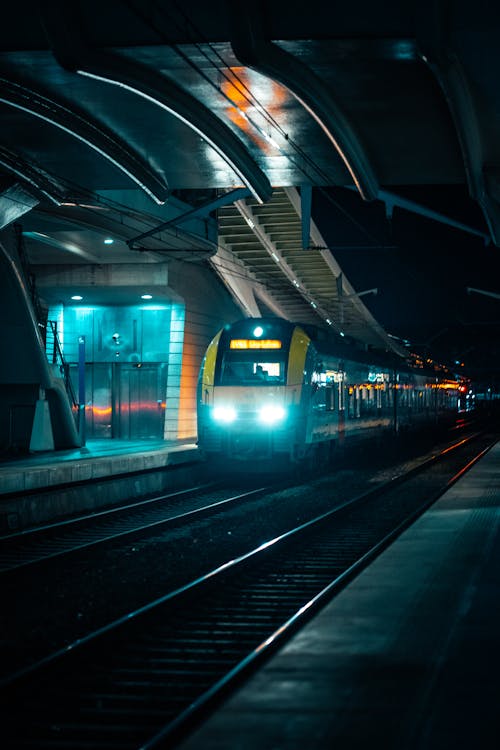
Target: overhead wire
{"x":191,"y":29}
{"x":253,"y":100}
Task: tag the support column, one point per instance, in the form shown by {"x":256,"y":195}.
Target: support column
{"x":42,"y":438}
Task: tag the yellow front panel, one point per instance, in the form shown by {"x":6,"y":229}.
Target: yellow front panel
{"x":210,"y":358}
{"x":297,"y":357}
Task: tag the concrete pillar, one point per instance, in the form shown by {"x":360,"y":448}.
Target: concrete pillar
{"x":42,"y":438}
{"x":174,"y":372}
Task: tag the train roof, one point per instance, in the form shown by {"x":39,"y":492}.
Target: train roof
{"x":331,"y":344}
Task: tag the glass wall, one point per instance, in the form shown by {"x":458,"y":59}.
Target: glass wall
{"x":126,"y":372}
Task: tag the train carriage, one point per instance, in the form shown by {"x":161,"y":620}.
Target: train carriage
{"x":270,"y":388}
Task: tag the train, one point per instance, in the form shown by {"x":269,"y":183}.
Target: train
{"x":271,"y":389}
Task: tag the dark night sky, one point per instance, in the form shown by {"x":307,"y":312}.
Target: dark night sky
{"x":422,"y":269}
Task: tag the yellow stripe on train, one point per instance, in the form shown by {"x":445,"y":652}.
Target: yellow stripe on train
{"x":297,"y":356}
{"x":210,"y":359}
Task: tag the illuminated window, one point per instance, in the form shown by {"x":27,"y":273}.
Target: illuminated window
{"x":271,"y":369}
{"x":252,"y":368}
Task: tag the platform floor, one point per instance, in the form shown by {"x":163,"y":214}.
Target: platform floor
{"x":96,"y":459}
{"x":407,"y":657}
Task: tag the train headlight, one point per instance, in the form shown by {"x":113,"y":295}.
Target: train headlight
{"x":271,"y":414}
{"x":224,"y":414}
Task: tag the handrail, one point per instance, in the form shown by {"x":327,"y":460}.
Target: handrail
{"x":58,"y":358}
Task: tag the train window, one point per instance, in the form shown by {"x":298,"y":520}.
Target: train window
{"x":330,"y":398}
{"x":353,"y":402}
{"x":324,"y":398}
{"x":268,"y":369}
{"x":367,"y":400}
{"x":252,"y":368}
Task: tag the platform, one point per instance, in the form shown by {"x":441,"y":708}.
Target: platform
{"x":97,"y":459}
{"x":40,"y":488}
{"x":406,"y":657}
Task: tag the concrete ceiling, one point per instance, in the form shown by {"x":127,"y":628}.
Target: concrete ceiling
{"x":111,"y":111}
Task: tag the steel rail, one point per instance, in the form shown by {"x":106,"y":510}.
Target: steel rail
{"x":113,"y":683}
{"x":71,"y":535}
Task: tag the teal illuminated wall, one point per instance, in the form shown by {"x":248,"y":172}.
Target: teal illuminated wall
{"x":133,"y":357}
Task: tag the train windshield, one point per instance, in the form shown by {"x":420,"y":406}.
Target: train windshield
{"x":252,"y":368}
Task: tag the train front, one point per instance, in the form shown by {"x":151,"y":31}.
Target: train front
{"x":250,"y":390}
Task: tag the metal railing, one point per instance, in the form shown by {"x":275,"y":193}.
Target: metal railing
{"x":56,"y":357}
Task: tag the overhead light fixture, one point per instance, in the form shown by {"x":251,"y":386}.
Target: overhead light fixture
{"x":77,"y":297}
{"x":108,"y":241}
{"x":146,"y":296}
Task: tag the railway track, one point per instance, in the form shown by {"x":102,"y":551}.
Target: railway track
{"x":137,"y":682}
{"x":25,"y":548}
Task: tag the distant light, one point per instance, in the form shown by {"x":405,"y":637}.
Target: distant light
{"x":404,"y":50}
{"x":108,"y":241}
{"x":77,"y":297}
{"x":342,"y":333}
{"x":146,"y":296}
{"x":258,"y":331}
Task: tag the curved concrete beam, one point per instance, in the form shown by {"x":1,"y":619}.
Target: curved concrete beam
{"x":39,"y":179}
{"x":15,"y":201}
{"x":437,"y":54}
{"x":24,"y":368}
{"x":267,"y":58}
{"x":72,"y":54}
{"x":450,"y":75}
{"x":88,"y":131}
